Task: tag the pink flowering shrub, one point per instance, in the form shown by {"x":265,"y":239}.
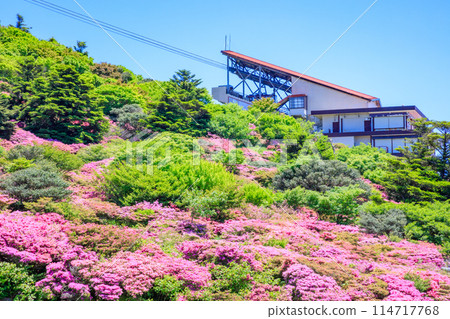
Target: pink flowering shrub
{"x":23,"y":137}
{"x":401,"y":289}
{"x":105,"y":240}
{"x":210,"y":251}
{"x":37,"y":240}
{"x":308,"y":286}
{"x":131,"y":275}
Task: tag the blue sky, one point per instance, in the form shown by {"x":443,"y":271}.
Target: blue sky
{"x":399,"y":51}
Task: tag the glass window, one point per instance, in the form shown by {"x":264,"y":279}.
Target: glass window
{"x":297,"y":102}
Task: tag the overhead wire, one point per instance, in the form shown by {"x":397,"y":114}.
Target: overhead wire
{"x":125,"y":33}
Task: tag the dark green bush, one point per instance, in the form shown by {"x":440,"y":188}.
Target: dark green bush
{"x":166,"y":289}
{"x":234,"y":278}
{"x":392,"y":222}
{"x":30,"y":184}
{"x":317,"y":175}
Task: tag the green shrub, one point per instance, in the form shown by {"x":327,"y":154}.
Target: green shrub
{"x":257,"y":195}
{"x":166,"y":289}
{"x":93,"y":153}
{"x":423,"y":285}
{"x":274,"y":242}
{"x":339,"y":205}
{"x":364,"y":158}
{"x":29,"y":152}
{"x":317,"y":175}
{"x":127,"y":185}
{"x":16,"y":284}
{"x":234,"y":278}
{"x":392,"y":222}
{"x":63,"y":160}
{"x":33,"y":183}
{"x":425,"y":221}
{"x":229,"y":121}
{"x":206,"y":204}
{"x":18,"y":164}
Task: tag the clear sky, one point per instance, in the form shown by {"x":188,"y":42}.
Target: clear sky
{"x":399,"y":51}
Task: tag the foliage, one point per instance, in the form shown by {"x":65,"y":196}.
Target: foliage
{"x":316,"y":175}
{"x":6,"y":126}
{"x":234,"y":278}
{"x":339,"y":205}
{"x":16,"y":284}
{"x":181,"y":108}
{"x":365,"y":158}
{"x":392,"y":222}
{"x":33,"y":183}
{"x":130,"y":117}
{"x":116,"y":96}
{"x":254,"y":194}
{"x":94,"y":153}
{"x":60,"y":107}
{"x":166,"y":289}
{"x":413,"y":183}
{"x":423,"y":285}
{"x":426,"y":221}
{"x":229,"y":121}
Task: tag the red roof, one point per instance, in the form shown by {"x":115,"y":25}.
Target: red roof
{"x":296,"y":74}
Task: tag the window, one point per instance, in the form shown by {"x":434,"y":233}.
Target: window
{"x":297,"y":102}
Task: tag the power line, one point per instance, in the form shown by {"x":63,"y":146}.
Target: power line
{"x":125,"y":33}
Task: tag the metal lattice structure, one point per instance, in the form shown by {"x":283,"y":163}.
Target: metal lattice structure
{"x":256,"y":80}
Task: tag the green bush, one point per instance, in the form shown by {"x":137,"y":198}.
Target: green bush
{"x":16,"y":284}
{"x":229,"y":121}
{"x":129,"y":184}
{"x":339,"y":205}
{"x":206,"y":204}
{"x":234,"y":278}
{"x":423,"y":285}
{"x":29,"y":152}
{"x":17,"y":164}
{"x":364,"y":158}
{"x":392,"y":222}
{"x":30,"y":184}
{"x":63,"y":160}
{"x":166,"y":289}
{"x":257,"y":195}
{"x":426,"y":221}
{"x":317,"y":175}
{"x":93,"y":153}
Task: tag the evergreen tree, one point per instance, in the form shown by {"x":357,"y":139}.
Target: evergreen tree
{"x":20,"y":24}
{"x":182,"y":107}
{"x":81,"y":47}
{"x":61,"y":107}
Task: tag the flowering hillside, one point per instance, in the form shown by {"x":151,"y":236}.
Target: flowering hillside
{"x":116,"y":187}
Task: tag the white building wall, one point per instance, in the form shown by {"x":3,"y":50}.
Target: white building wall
{"x":346,"y":140}
{"x":362,"y":139}
{"x":327,"y":123}
{"x":324,"y":98}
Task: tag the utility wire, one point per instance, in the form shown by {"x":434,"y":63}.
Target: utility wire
{"x":125,"y":33}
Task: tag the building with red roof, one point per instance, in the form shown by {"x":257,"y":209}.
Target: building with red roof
{"x":346,"y":116}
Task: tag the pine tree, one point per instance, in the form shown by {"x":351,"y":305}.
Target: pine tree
{"x":61,"y":107}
